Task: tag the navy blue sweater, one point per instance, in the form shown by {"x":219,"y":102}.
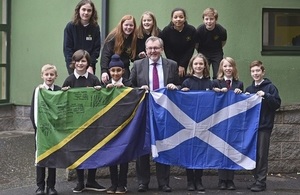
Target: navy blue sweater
{"x":270,"y":103}
{"x":82,"y":37}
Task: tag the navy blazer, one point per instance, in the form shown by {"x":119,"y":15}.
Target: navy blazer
{"x":139,"y":75}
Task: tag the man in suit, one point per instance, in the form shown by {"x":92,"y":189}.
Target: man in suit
{"x":151,"y":73}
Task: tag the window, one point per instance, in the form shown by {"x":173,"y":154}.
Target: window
{"x":4,"y":50}
{"x":281,"y":31}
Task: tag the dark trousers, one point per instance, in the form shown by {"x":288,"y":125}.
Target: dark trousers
{"x":143,"y":171}
{"x":41,"y":174}
{"x":214,"y":60}
{"x":91,"y":175}
{"x":225,"y":174}
{"x":263,"y":144}
{"x":119,"y":177}
{"x":194,"y":175}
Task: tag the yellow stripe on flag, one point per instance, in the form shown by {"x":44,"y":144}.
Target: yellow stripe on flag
{"x":106,"y":139}
{"x":84,"y":126}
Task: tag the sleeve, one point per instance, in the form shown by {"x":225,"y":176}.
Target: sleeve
{"x":67,"y":82}
{"x":97,"y":46}
{"x":272,"y":98}
{"x":184,"y":60}
{"x":107,"y":52}
{"x":133,"y":75}
{"x":68,"y":43}
{"x":165,"y":34}
{"x":32,"y":111}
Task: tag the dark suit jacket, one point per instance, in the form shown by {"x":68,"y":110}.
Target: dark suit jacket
{"x":139,"y":75}
{"x":222,"y":83}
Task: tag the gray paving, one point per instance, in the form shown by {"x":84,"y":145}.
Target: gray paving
{"x":17,"y":175}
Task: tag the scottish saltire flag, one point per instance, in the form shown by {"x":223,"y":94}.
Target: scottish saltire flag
{"x":87,"y":128}
{"x":204,"y":129}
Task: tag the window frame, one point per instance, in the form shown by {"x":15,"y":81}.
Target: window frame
{"x":277,"y":50}
{"x":7,"y":29}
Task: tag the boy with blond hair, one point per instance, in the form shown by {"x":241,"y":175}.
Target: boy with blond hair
{"x":48,"y":74}
{"x":211,"y":38}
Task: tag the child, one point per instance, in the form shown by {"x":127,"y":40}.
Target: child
{"x":122,"y":41}
{"x":179,"y":40}
{"x":48,"y":74}
{"x":148,"y":27}
{"x":271,"y":101}
{"x":198,"y":80}
{"x":83,"y":32}
{"x":118,"y":178}
{"x":211,"y":38}
{"x":81,"y":78}
{"x":227,"y":80}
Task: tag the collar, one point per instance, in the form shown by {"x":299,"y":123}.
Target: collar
{"x":159,"y":61}
{"x":226,"y":78}
{"x":256,"y":84}
{"x":47,"y":87}
{"x":84,"y":75}
{"x":116,"y":82}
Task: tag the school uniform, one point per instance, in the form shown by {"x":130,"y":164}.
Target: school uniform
{"x":210,"y":45}
{"x":41,"y":171}
{"x":80,"y":36}
{"x":179,"y":45}
{"x":194,"y":176}
{"x":270,"y":103}
{"x":108,"y":50}
{"x":86,"y":80}
{"x":226,"y":176}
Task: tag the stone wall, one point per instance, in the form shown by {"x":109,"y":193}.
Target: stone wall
{"x":285,"y":141}
{"x":284,"y":154}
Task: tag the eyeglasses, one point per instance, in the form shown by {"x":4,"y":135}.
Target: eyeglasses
{"x":153,"y":48}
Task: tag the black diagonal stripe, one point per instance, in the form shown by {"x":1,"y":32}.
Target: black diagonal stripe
{"x":96,"y":132}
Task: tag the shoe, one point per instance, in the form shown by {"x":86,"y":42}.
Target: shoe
{"x":258,"y":188}
{"x":94,"y":186}
{"x":111,"y":190}
{"x":190,"y":186}
{"x":165,"y":188}
{"x":199,"y":186}
{"x":143,"y":188}
{"x":251,"y":185}
{"x":51,"y":191}
{"x":79,"y":188}
{"x":40,"y":191}
{"x":121,"y":190}
{"x":222,"y":185}
{"x":230,"y":185}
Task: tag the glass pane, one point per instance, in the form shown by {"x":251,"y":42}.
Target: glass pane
{"x":3,"y":15}
{"x":281,"y":28}
{"x":3,"y":48}
{"x":3,"y":83}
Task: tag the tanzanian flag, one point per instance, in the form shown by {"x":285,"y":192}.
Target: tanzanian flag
{"x":85,"y":128}
{"x":204,"y":129}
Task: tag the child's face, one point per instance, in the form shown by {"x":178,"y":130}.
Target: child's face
{"x":198,"y":66}
{"x":227,"y":69}
{"x":128,"y":27}
{"x":85,"y":13}
{"x":178,"y":19}
{"x":147,"y":22}
{"x":81,"y":65}
{"x":49,"y":76}
{"x":116,"y":73}
{"x":209,"y":22}
{"x":257,"y":74}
